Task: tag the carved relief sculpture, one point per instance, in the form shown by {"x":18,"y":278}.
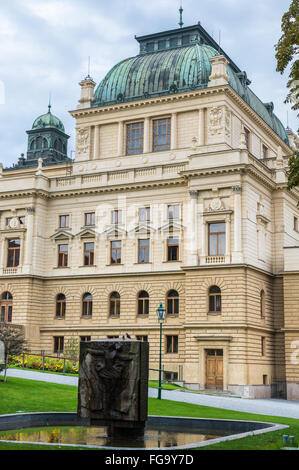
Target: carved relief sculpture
{"x":113,"y":383}
{"x":215,"y":120}
{"x":83,"y":141}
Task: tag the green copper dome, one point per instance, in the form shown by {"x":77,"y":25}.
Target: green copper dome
{"x":174,"y":62}
{"x":48,"y":121}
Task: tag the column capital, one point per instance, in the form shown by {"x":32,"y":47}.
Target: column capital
{"x":30,"y":210}
{"x":237,"y":189}
{"x":193,"y":193}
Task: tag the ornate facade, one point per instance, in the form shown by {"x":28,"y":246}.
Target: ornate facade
{"x":177,"y":194}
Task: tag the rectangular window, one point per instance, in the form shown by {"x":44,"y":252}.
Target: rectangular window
{"x":247,"y":137}
{"x":216,"y":239}
{"x":112,"y":337}
{"x":88,"y":254}
{"x":265,"y":380}
{"x":8,"y":219}
{"x":116,"y":252}
{"x":172,"y":343}
{"x":134,"y":138}
{"x":90,"y":218}
{"x":116,"y":217}
{"x":143,"y":250}
{"x":144,"y":214}
{"x":13,"y":255}
{"x":84,"y":339}
{"x":173,"y":211}
{"x":58,"y":344}
{"x":161,"y":135}
{"x":264,"y":151}
{"x":22,"y":220}
{"x":64,"y":221}
{"x":295,"y":224}
{"x":63,"y":256}
{"x":172,"y":249}
{"x":141,"y":338}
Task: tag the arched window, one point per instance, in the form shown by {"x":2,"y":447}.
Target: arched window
{"x":87,"y":304}
{"x":60,"y":305}
{"x":6,"y":307}
{"x":172,"y":302}
{"x":143,"y":303}
{"x":214,"y":299}
{"x":45,"y":143}
{"x":32,"y":145}
{"x":39,"y":143}
{"x":55,"y":145}
{"x":59,"y":145}
{"x":262,"y":303}
{"x":114,"y":304}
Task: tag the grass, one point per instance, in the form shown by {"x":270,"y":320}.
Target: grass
{"x":33,"y":396}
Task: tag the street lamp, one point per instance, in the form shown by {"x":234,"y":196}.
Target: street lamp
{"x":160,"y":312}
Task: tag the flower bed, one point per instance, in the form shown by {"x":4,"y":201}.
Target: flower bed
{"x":50,"y":363}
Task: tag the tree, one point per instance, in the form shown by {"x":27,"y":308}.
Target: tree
{"x":293,"y":172}
{"x":14,"y":343}
{"x":72,"y":348}
{"x":286,"y":50}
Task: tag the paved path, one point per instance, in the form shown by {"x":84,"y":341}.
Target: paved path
{"x":272,"y":407}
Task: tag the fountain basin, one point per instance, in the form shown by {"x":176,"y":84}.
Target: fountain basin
{"x":161,"y":432}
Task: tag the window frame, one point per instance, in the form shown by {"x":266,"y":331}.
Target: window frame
{"x":87,"y":305}
{"x":60,"y":306}
{"x":16,"y":253}
{"x":58,"y":341}
{"x":156,"y":124}
{"x":172,"y":344}
{"x":63,"y":256}
{"x":115,"y":301}
{"x":116,"y":250}
{"x":217,"y":234}
{"x":88,"y":253}
{"x":142,"y":304}
{"x":214,"y":296}
{"x":90,"y":215}
{"x":174,"y":301}
{"x":143,"y":251}
{"x":66,"y":219}
{"x":170,"y":248}
{"x":116,"y":215}
{"x":132,"y":150}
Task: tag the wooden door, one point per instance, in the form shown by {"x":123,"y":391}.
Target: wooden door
{"x":214,"y":369}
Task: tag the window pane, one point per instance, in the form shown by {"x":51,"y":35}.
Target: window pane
{"x":212,"y":303}
{"x":134,"y":138}
{"x":213,"y":245}
{"x":216,"y":228}
{"x":221,"y":244}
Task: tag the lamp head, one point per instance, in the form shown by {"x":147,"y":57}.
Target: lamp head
{"x":160,"y":313}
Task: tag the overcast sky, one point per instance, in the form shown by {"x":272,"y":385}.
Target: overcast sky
{"x":45,"y":44}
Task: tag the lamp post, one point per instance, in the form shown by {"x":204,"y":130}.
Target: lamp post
{"x":161,"y":318}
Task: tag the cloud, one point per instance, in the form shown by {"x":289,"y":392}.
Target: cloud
{"x":44,"y":47}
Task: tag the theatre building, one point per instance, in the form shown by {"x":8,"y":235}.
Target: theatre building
{"x":177,"y":193}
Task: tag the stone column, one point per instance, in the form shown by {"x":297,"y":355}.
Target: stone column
{"x":173,"y":144}
{"x":146,"y":141}
{"x":192,"y":248}
{"x":237,"y":255}
{"x":201,"y":133}
{"x":120,"y":145}
{"x":29,"y":239}
{"x":96,"y":143}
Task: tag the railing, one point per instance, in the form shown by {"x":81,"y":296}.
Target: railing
{"x":215,"y":259}
{"x":12,"y":325}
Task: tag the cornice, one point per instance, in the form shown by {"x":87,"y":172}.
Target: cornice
{"x":147,"y":102}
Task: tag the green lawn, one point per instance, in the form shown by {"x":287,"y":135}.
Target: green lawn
{"x":22,"y":395}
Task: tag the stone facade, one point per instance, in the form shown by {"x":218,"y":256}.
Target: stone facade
{"x":214,"y":177}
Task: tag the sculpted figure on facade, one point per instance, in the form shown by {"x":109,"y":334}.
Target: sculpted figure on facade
{"x":83,"y":141}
